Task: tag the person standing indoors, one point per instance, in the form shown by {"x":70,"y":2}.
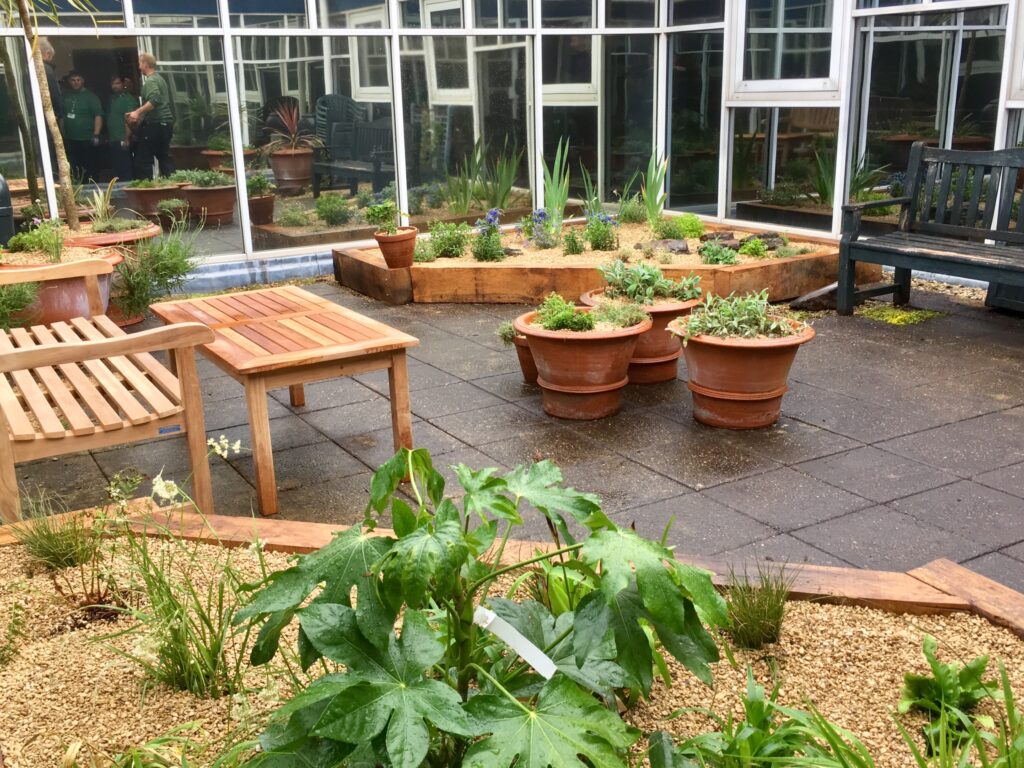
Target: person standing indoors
{"x":152,"y":123}
{"x":121,"y":103}
{"x":48,"y":53}
{"x":83,"y":121}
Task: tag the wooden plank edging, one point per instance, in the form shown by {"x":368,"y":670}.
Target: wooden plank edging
{"x":996,"y":602}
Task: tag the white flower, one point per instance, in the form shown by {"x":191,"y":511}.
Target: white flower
{"x":223,"y":448}
{"x":165,"y":490}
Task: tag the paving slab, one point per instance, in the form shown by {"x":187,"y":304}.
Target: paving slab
{"x":969,"y":510}
{"x":1007,"y":479}
{"x":999,"y":567}
{"x":876,"y":474}
{"x":782,"y":549}
{"x":700,"y":525}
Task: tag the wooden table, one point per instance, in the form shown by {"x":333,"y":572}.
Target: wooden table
{"x":287,"y":337}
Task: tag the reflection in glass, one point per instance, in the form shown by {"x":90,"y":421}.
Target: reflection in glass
{"x":578,"y":127}
{"x":696,"y":11}
{"x":787,"y":39}
{"x":630,"y":13}
{"x":503,"y":13}
{"x":105,"y":12}
{"x":628,"y":108}
{"x":175,"y":13}
{"x":568,"y":59}
{"x":567,"y":13}
{"x":360,"y":13}
{"x":267,"y":13}
{"x":695,"y":87}
{"x":20,"y":162}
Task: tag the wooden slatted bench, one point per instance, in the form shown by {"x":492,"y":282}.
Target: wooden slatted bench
{"x":961,"y":217}
{"x":84,"y":384}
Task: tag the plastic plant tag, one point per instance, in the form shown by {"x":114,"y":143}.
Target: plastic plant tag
{"x":531,"y":654}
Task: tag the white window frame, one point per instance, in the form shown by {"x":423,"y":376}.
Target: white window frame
{"x":1015,"y":55}
{"x":372,"y":18}
{"x":446,"y":96}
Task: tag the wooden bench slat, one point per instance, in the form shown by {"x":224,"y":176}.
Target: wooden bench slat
{"x":77,"y":418}
{"x":39,"y":407}
{"x":156,"y":370}
{"x":17,"y":419}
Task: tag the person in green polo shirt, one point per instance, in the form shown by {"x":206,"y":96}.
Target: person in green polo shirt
{"x":121,"y":103}
{"x":83,"y":121}
{"x":152,"y":123}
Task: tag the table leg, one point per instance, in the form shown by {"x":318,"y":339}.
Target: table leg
{"x":262,"y":451}
{"x":297,"y":395}
{"x":401,"y":416}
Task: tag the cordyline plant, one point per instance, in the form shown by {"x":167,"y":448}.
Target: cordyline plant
{"x":442,"y":691}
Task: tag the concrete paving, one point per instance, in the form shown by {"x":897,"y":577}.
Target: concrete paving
{"x":897,"y":445}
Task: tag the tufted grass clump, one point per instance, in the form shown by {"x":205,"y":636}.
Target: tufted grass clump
{"x":53,"y":539}
{"x":757,"y":608}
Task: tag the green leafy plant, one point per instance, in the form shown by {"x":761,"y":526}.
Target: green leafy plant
{"x":949,"y":685}
{"x":619,"y":314}
{"x":15,"y":300}
{"x":51,"y":537}
{"x":487,"y":244}
{"x":448,"y":240}
{"x":289,"y":133}
{"x":713,"y":252}
{"x":334,"y":210}
{"x":506,"y":333}
{"x":747,"y":317}
{"x":601,"y":233}
{"x":208,"y":179}
{"x":645,"y":283}
{"x":652,"y":188}
{"x":754,"y":248}
{"x":219,"y":142}
{"x":158,"y":183}
{"x":786,"y":251}
{"x":171,"y":206}
{"x":42,"y":236}
{"x":293,"y":215}
{"x":557,"y":314}
{"x":783,"y":193}
{"x":757,"y":608}
{"x":556,"y":185}
{"x":447,"y":691}
{"x":384,"y":216}
{"x":632,"y":210}
{"x":168,"y":750}
{"x":422,"y":252}
{"x":157,"y":268}
{"x":184,"y":176}
{"x":496,"y":179}
{"x":677,"y":227}
{"x":12,"y":635}
{"x":259,"y":185}
{"x":591,"y":198}
{"x":539,"y":229}
{"x":461,"y":191}
{"x":572,"y":243}
{"x":101,"y":202}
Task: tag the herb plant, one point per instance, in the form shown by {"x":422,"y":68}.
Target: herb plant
{"x":42,"y":236}
{"x":171,"y":206}
{"x":186,"y":176}
{"x":645,"y":283}
{"x":259,"y":185}
{"x":632,"y":210}
{"x":15,"y":300}
{"x":487,"y":244}
{"x":600,"y":232}
{"x":677,"y":227}
{"x":384,"y":216}
{"x":757,"y":608}
{"x":445,"y":690}
{"x":157,"y":183}
{"x":157,"y":268}
{"x":208,"y":179}
{"x":219,"y":142}
{"x":506,"y":333}
{"x":334,"y":210}
{"x":746,"y":317}
{"x":557,"y":314}
{"x":754,"y":248}
{"x":713,"y":252}
{"x":619,"y":314}
{"x":572,"y":243}
{"x":293,"y":215}
{"x":948,"y":685}
{"x":448,"y":240}
{"x":422,"y":252}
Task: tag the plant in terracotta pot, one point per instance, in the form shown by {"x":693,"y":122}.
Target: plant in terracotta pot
{"x":397,"y":244}
{"x":582,"y":354}
{"x":738,"y":356}
{"x":290,"y":150}
{"x":211,"y":197}
{"x":143,"y":195}
{"x":171,"y":210}
{"x":510,"y":337}
{"x":260,"y":191}
{"x":107,"y":229}
{"x":218,"y":149}
{"x":656,"y":357}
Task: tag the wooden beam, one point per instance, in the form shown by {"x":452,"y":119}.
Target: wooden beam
{"x":997,"y":603}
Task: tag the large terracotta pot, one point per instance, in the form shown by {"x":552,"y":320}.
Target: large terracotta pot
{"x":399,"y":248}
{"x":188,"y":157}
{"x":261,"y":209}
{"x":61,"y":300}
{"x":215,"y":204}
{"x":143,"y":200}
{"x":581,"y":373}
{"x":657,"y":353}
{"x":109,"y":239}
{"x":526,"y":361}
{"x":739,"y":383}
{"x":293,"y":169}
{"x":214,"y":158}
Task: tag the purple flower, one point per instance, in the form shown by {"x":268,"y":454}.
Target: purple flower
{"x":493,"y":216}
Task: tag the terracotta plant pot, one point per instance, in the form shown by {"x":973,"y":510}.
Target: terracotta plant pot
{"x":657,"y":353}
{"x":143,"y":200}
{"x":110,"y":239}
{"x":215,"y":204}
{"x":526,"y":361}
{"x":739,"y":383}
{"x":398,"y":249}
{"x":214,"y":158}
{"x":115,"y":313}
{"x":293,"y":169}
{"x":581,"y":373}
{"x":188,"y":156}
{"x":261,"y":209}
{"x":167,"y":219}
{"x":61,"y":300}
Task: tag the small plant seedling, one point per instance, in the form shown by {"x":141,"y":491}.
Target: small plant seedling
{"x":757,"y":608}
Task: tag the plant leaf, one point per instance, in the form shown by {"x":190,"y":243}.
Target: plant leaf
{"x":541,"y":485}
{"x":486,"y":493}
{"x":427,"y":559}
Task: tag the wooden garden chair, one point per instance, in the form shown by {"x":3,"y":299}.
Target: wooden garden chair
{"x":83,"y":384}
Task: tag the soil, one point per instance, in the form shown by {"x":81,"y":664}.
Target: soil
{"x":85,"y":228}
{"x":38,"y":258}
{"x":629,"y":236}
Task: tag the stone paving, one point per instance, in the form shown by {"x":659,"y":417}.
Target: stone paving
{"x":897,"y":445}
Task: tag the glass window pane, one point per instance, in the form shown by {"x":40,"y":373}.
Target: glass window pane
{"x":788,"y":39}
{"x":354,"y":13}
{"x":578,"y":127}
{"x":503,"y":13}
{"x":567,"y":59}
{"x":174,"y":13}
{"x":630,"y":13}
{"x":629,"y":84}
{"x":696,"y":11}
{"x":104,"y":12}
{"x":267,"y":13}
{"x":20,"y":154}
{"x":567,"y":13}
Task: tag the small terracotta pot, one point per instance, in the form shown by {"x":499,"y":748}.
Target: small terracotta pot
{"x":739,"y":383}
{"x":214,"y":158}
{"x":110,"y":239}
{"x":167,"y":219}
{"x":120,"y":320}
{"x":143,"y":200}
{"x":188,"y":156}
{"x":526,"y":362}
{"x":60,"y":300}
{"x":261,"y":209}
{"x":398,"y":249}
{"x":581,"y":373}
{"x":293,"y":169}
{"x":215,"y":204}
{"x":657,"y":353}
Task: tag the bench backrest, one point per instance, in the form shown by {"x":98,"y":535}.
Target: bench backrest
{"x":964,"y":194}
{"x":372,"y":137}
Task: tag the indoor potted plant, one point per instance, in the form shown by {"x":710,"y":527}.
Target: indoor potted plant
{"x":738,"y":356}
{"x":260,"y":192}
{"x":143,"y":195}
{"x":171,"y":210}
{"x":656,"y":357}
{"x":106,"y":228}
{"x":510,"y":337}
{"x":290,"y":151}
{"x":397,"y":244}
{"x":582,"y":354}
{"x":211,"y":197}
{"x":218,"y":148}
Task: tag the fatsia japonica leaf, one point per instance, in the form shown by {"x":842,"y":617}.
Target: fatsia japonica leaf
{"x":541,"y":485}
{"x":426,"y":560}
{"x":598,"y":619}
{"x":417,"y":466}
{"x":710,"y":605}
{"x":485,"y":493}
{"x":565,"y":724}
{"x":278,"y":751}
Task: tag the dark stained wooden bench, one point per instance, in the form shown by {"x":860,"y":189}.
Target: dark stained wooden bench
{"x":371,"y":159}
{"x":961,"y":216}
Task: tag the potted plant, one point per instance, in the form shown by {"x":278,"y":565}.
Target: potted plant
{"x":260,"y":192}
{"x":738,"y":356}
{"x":397,"y":244}
{"x":656,"y":357}
{"x":211,"y":197}
{"x":582,"y":355}
{"x":143,"y":195}
{"x":217,"y":149}
{"x":106,"y":228}
{"x":290,"y":150}
{"x":171,"y":210}
{"x":509,"y":337}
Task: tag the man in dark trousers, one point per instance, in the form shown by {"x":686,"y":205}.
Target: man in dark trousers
{"x":152,"y":124}
{"x":121,"y":103}
{"x":83,"y":122}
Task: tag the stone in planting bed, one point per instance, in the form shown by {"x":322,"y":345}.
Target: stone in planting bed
{"x":528,"y":277}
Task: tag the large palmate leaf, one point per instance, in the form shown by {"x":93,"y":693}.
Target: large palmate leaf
{"x":565,"y":724}
{"x":486,"y":493}
{"x":415,"y":465}
{"x":541,"y":485}
{"x":427,"y":559}
{"x":391,"y":689}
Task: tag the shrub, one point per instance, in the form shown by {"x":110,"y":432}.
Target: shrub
{"x":334,"y":210}
{"x":293,"y":215}
{"x":644,"y":283}
{"x":557,"y":314}
{"x":756,"y":609}
{"x":572,"y":243}
{"x":42,"y":236}
{"x":384,"y":216}
{"x":754,"y":248}
{"x":732,"y":316}
{"x":364,"y":198}
{"x":15,"y":299}
{"x":784,"y":193}
{"x":259,"y":185}
{"x":713,"y":252}
{"x":487,"y":244}
{"x":55,"y":543}
{"x":632,"y":210}
{"x":506,"y":332}
{"x":677,"y":227}
{"x":422,"y":252}
{"x":540,"y":230}
{"x":448,"y":240}
{"x":211,"y":179}
{"x":600,"y":232}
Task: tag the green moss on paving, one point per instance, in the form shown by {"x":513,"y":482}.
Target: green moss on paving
{"x":886,"y":313}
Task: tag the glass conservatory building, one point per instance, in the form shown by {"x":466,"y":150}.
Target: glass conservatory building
{"x":773,"y":111}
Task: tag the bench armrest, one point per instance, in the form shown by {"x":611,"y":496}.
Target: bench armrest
{"x":876,"y":204}
{"x":852,"y":213}
{"x":46,"y":272}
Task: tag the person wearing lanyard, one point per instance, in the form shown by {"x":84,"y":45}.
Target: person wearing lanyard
{"x":83,"y":121}
{"x":121,"y":103}
{"x":152,"y":124}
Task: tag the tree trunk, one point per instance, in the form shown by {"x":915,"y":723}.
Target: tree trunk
{"x":19,"y":116}
{"x":67,"y":193}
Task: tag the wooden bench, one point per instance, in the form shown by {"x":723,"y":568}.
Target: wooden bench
{"x":960,"y":217}
{"x":371,"y":158}
{"x":83,"y":384}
